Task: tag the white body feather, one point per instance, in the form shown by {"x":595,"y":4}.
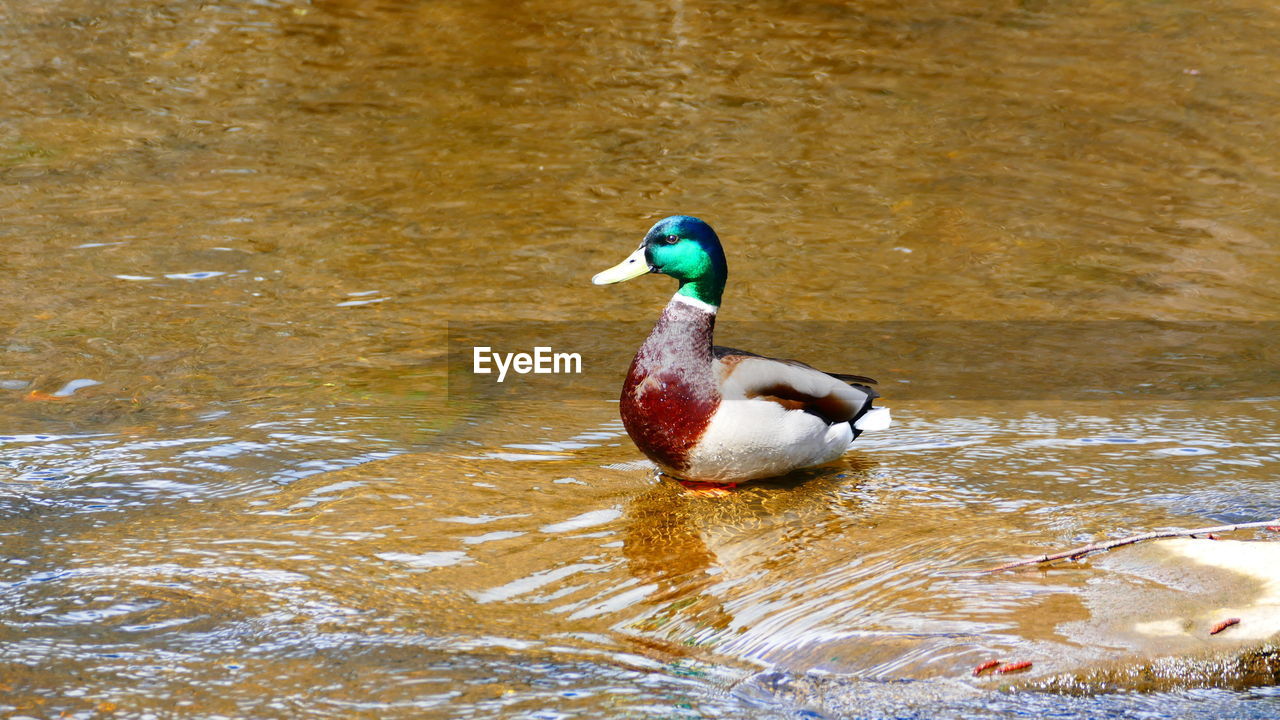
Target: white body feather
{"x":752,"y":437}
{"x":748,"y":439}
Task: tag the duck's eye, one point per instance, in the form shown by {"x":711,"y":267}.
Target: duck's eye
{"x":672,"y":239}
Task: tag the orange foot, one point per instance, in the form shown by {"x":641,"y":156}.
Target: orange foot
{"x":707,"y":489}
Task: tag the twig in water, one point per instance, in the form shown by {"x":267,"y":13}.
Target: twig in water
{"x":985,"y":667}
{"x":1223,"y":625}
{"x":1077,"y":553}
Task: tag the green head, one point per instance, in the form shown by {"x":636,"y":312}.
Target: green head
{"x":683,"y":247}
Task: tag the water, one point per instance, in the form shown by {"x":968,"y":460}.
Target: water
{"x":241,"y":474}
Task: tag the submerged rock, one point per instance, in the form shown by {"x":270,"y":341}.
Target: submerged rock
{"x":1171,"y":598}
{"x":1237,"y":670}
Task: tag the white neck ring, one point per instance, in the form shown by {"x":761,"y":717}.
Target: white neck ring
{"x":695,"y":302}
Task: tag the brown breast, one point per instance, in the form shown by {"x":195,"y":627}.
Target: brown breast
{"x":665,"y":415}
{"x":671,"y":391}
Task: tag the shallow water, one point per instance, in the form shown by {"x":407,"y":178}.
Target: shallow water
{"x":248,"y":247}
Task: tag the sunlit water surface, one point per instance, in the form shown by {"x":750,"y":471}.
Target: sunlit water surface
{"x":240,"y":476}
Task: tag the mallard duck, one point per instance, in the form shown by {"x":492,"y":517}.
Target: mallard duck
{"x":714,"y":414}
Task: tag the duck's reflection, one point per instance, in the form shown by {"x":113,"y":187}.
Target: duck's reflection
{"x":703,"y":546}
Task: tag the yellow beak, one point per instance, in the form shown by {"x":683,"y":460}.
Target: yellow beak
{"x":634,"y":266}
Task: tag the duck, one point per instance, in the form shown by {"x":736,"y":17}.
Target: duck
{"x":718,"y":415}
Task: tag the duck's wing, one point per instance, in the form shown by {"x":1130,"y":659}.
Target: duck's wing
{"x":723,"y":352}
{"x":793,"y":384}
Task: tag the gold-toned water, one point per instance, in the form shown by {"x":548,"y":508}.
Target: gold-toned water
{"x":259,"y":227}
